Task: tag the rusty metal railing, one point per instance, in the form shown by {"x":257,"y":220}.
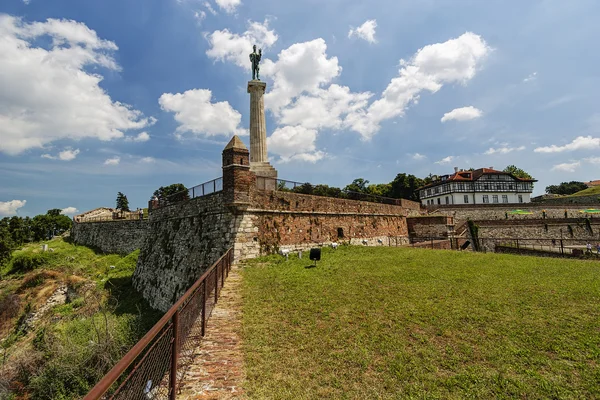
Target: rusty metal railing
{"x":155,"y":366}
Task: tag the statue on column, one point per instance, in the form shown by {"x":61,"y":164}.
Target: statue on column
{"x":255,"y":60}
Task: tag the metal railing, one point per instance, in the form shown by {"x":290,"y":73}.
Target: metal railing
{"x":155,"y":366}
{"x":115,"y":217}
{"x":203,"y":189}
{"x":265,"y":183}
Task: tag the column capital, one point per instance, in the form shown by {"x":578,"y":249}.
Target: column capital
{"x":254,"y":86}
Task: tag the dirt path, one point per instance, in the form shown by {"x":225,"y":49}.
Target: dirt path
{"x":218,"y":371}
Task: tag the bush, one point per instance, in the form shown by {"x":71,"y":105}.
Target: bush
{"x":25,"y":262}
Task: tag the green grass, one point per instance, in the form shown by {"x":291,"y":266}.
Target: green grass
{"x":592,"y":191}
{"x":414,"y":323}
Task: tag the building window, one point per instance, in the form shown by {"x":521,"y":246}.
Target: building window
{"x":486,"y":198}
{"x":466,"y":199}
{"x":495,"y":198}
{"x":505,"y":198}
{"x":520,"y":198}
{"x":429,"y":192}
{"x":447,"y":200}
{"x":436,"y":190}
{"x":439,"y":201}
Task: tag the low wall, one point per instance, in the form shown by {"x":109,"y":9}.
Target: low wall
{"x":501,"y":211}
{"x":120,"y":237}
{"x":429,"y":226}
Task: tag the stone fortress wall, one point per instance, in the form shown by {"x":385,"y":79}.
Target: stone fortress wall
{"x":119,"y":236}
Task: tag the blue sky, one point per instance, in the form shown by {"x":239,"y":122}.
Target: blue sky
{"x":101,"y":97}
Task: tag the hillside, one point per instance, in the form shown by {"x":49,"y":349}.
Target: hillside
{"x":412,"y":323}
{"x":66,"y":316}
{"x":592,"y":191}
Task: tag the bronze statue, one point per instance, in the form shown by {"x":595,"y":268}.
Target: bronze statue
{"x":255,"y":59}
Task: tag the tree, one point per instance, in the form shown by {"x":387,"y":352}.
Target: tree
{"x":404,"y":186}
{"x":122,"y":202}
{"x":380,"y":189}
{"x":566,"y":188}
{"x":358,"y":185}
{"x":6,"y":245}
{"x":54,"y":212}
{"x":173,"y":192}
{"x":518,"y":172}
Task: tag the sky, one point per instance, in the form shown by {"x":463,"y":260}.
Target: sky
{"x":127,"y":96}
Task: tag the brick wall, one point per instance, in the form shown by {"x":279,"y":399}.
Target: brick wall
{"x":429,"y":226}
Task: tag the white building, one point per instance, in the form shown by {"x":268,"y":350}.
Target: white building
{"x":481,"y":186}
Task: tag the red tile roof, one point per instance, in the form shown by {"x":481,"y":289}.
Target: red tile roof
{"x":470,"y":176}
{"x":593,"y":183}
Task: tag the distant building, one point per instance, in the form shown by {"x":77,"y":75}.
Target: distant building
{"x":593,"y":183}
{"x":481,"y":186}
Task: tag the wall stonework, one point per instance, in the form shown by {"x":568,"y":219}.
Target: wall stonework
{"x":120,"y":237}
{"x":498,"y":212}
{"x":436,"y":226}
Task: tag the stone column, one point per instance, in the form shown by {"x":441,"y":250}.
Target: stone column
{"x":259,"y":161}
{"x":258,"y":125}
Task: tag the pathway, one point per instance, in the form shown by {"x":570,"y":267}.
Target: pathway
{"x":218,"y":371}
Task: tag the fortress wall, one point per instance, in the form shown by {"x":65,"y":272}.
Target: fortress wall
{"x":498,"y":211}
{"x":183,"y":240}
{"x":120,"y":237}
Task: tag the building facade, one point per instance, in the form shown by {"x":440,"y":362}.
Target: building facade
{"x":481,"y":186}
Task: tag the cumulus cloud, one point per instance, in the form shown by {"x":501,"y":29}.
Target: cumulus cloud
{"x":69,"y":211}
{"x":446,"y":160}
{"x":228,"y":5}
{"x":47,"y":92}
{"x":503,"y":150}
{"x":567,"y":167}
{"x":140,"y":137}
{"x":454,"y":61}
{"x":418,"y":156}
{"x":366,"y":31}
{"x":579,"y":143}
{"x":233,"y":47}
{"x":112,"y":161}
{"x":197,"y":116}
{"x":462,"y":114}
{"x":8,"y":208}
{"x":294,"y":143}
{"x":67,"y":154}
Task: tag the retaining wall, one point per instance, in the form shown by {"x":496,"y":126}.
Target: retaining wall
{"x":120,"y":237}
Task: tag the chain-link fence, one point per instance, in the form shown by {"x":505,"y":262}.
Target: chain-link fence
{"x":155,"y":366}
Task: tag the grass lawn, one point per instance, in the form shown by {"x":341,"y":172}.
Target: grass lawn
{"x":414,"y":323}
{"x":588,"y":192}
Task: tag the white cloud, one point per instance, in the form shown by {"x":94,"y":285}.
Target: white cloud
{"x":210,"y":8}
{"x":47,"y":92}
{"x":531,"y":77}
{"x":112,"y":161}
{"x":567,"y":167}
{"x":67,"y":154}
{"x":503,"y":150}
{"x":302,"y":67}
{"x":579,"y":143}
{"x":197,"y":115}
{"x":593,"y":160}
{"x":228,"y":5}
{"x":26,"y":1}
{"x":140,"y":137}
{"x":294,"y":143}
{"x":366,"y":31}
{"x":200,"y":16}
{"x":454,"y":61}
{"x":232,"y":47}
{"x":446,"y":160}
{"x":462,"y":114}
{"x":148,"y":160}
{"x":69,"y":211}
{"x":9,"y":208}
{"x":418,"y":156}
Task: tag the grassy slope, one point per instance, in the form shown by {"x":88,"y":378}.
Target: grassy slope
{"x":63,"y":355}
{"x":398,"y":323}
{"x":592,"y":191}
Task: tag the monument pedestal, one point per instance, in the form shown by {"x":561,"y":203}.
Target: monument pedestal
{"x":259,"y":163}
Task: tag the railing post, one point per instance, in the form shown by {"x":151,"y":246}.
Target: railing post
{"x":203,"y":307}
{"x":217,"y":284}
{"x":223,"y":266}
{"x":193,"y":192}
{"x":214,"y":185}
{"x":174,"y":357}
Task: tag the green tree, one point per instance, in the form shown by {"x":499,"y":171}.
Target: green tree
{"x":6,"y":244}
{"x":566,"y":188}
{"x":122,"y":202}
{"x":380,"y":189}
{"x":518,"y":172}
{"x":404,"y":186}
{"x":358,"y":185}
{"x":54,"y":212}
{"x":173,"y":192}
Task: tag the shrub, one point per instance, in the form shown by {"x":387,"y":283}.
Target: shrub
{"x":24,"y":262}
